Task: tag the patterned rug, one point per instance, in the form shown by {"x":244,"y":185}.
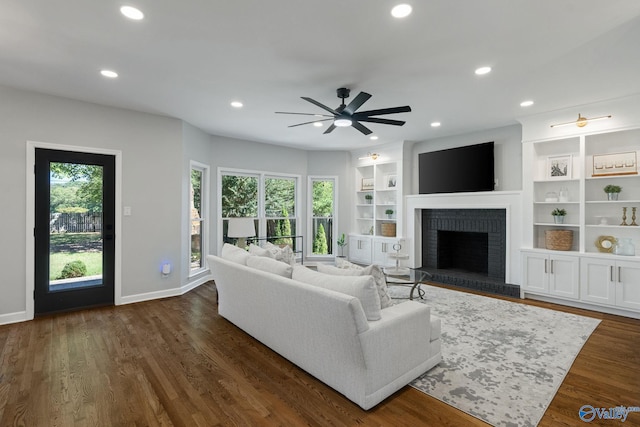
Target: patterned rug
{"x":502,"y":361}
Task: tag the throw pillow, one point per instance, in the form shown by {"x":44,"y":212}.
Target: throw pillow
{"x":234,"y":254}
{"x":361,"y":287}
{"x":284,"y":254}
{"x":270,"y":265}
{"x":372,"y":270}
{"x":343,"y":263}
{"x":257,"y":250}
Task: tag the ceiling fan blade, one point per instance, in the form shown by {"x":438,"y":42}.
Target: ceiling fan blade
{"x":330,"y":129}
{"x":357,"y":102}
{"x":307,"y":123}
{"x":324,"y":107}
{"x":304,"y":114}
{"x":382,"y":121}
{"x":365,"y":130}
{"x":381,"y":111}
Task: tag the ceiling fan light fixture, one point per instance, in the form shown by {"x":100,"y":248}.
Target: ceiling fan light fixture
{"x":342,"y":122}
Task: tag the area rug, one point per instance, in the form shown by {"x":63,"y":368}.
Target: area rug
{"x":503,"y":362}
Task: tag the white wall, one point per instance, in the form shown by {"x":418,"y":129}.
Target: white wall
{"x":507,"y":154}
{"x":151,"y":185}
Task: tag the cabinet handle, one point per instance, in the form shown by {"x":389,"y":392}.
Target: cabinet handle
{"x":384,"y":248}
{"x":545,"y":267}
{"x":551,"y":266}
{"x":619,"y":274}
{"x":611,"y":272}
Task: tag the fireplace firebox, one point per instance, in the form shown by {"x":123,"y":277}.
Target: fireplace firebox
{"x":467,"y":247}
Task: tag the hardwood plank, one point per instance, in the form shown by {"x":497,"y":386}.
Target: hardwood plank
{"x":176,"y":362}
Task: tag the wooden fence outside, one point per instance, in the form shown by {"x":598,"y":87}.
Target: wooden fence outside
{"x":75,"y":222}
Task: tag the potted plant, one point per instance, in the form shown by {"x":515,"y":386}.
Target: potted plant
{"x":389,"y":212}
{"x":558,"y":215}
{"x":612,"y":191}
{"x":342,"y":242}
{"x":368,"y":198}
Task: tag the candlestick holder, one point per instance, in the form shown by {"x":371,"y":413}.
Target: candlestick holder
{"x":633,"y":217}
{"x":624,"y":216}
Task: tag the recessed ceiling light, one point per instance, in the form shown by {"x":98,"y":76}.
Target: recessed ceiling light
{"x":483,"y":70}
{"x":401,"y":10}
{"x":317,"y":124}
{"x":109,"y":73}
{"x":435,"y":124}
{"x":373,"y":138}
{"x":236,"y":104}
{"x":526,"y":103}
{"x":132,"y":13}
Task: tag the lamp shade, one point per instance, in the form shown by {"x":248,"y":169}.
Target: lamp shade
{"x":241,"y":227}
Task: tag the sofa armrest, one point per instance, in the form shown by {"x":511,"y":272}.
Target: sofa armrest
{"x":397,"y":343}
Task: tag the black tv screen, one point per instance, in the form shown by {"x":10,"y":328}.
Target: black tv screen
{"x":457,"y":170}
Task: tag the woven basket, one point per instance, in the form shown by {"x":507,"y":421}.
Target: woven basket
{"x":558,"y":240}
{"x":388,"y":230}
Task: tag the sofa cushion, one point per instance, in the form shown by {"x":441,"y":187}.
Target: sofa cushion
{"x":350,"y":269}
{"x":258,"y":251}
{"x":361,"y":287}
{"x":270,"y":265}
{"x":234,"y":254}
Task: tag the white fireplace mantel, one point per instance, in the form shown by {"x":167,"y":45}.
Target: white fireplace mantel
{"x":511,"y":201}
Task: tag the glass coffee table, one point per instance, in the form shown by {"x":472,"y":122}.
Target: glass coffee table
{"x":409,"y":277}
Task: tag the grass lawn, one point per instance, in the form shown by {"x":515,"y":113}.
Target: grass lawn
{"x":67,"y":247}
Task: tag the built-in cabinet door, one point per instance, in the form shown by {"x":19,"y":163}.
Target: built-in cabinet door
{"x":628,"y":284}
{"x":564,"y":276}
{"x":381,"y":250}
{"x":360,"y":249}
{"x":598,"y":281}
{"x":536,"y":277}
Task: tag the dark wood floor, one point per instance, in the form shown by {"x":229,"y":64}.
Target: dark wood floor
{"x":176,"y":362}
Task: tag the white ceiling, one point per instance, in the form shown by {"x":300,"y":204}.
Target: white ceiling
{"x":190,"y":58}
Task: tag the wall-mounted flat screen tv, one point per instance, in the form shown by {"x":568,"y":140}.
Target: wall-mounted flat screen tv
{"x":457,"y":170}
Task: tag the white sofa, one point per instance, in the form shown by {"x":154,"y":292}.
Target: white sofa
{"x":326,"y":332}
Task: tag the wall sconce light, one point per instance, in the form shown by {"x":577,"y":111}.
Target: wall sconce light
{"x":581,"y":121}
{"x":372,"y":156}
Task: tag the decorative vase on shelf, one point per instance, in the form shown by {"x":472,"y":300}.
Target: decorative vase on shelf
{"x":612,"y":196}
{"x":624,"y":246}
{"x":564,"y":195}
{"x":558,"y":219}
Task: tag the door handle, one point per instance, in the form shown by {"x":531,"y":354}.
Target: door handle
{"x":611,"y":272}
{"x":619,"y":274}
{"x":551,"y":266}
{"x":545,"y":267}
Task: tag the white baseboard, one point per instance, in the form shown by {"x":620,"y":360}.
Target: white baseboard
{"x":8,"y":318}
{"x":585,"y":306}
{"x":131,"y":299}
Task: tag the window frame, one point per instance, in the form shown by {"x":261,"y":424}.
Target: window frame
{"x":262,"y":218}
{"x":334,"y":238}
{"x":204,"y":217}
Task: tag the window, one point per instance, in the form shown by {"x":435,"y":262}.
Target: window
{"x":197,"y":217}
{"x":280,"y":209}
{"x":239,"y":199}
{"x":271,"y":199}
{"x":323,"y":207}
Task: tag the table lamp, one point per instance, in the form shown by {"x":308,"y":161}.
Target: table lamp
{"x":241,"y":228}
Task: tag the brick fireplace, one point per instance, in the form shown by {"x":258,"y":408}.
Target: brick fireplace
{"x":470,"y":240}
{"x":467,"y":247}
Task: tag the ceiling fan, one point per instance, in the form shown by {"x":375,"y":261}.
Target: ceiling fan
{"x":346,"y":115}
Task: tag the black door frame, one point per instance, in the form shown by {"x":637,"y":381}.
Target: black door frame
{"x":31,"y":147}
